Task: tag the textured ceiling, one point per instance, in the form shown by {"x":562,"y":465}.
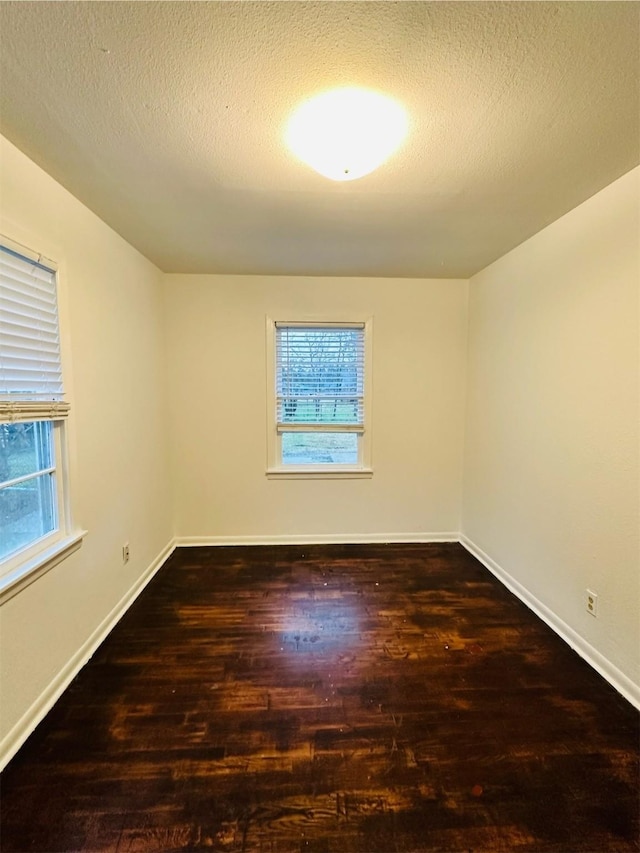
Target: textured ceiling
{"x":166,"y":119}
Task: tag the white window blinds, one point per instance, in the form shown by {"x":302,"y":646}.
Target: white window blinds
{"x":30,"y":365}
{"x":319,"y":377}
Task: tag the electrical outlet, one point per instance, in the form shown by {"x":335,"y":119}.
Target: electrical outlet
{"x":592,"y":602}
{"x":125,"y":553}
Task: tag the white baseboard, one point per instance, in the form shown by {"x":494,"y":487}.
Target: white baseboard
{"x":319,"y":539}
{"x":14,"y":739}
{"x":616,"y":678}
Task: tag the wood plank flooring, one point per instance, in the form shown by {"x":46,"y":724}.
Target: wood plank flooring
{"x":329,"y":698}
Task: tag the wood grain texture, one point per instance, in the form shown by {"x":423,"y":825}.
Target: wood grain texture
{"x":329,"y":698}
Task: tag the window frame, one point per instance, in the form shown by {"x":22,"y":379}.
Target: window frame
{"x":324,"y":470}
{"x":25,"y":565}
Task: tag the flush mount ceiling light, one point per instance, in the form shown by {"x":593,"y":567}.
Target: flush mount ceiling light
{"x":346,"y":133}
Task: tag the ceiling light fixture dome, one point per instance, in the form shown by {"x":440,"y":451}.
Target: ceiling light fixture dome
{"x":346,"y":133}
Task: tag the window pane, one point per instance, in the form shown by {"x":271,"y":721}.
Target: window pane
{"x":314,"y":448}
{"x":25,"y":448}
{"x":27,"y":512}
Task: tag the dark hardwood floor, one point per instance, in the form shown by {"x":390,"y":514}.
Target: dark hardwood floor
{"x":329,"y":698}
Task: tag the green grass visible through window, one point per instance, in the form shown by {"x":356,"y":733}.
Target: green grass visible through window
{"x":313,"y":448}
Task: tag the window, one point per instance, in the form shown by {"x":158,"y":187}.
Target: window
{"x":33,"y":517}
{"x":319,"y":399}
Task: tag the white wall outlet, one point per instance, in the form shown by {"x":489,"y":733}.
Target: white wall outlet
{"x":592,"y":602}
{"x":125,"y":553}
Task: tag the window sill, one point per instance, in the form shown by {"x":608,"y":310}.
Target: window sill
{"x":319,"y":473}
{"x":26,"y":573}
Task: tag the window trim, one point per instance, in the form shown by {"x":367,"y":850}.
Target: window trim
{"x":30,"y":569}
{"x":275,"y":469}
{"x":21,"y":568}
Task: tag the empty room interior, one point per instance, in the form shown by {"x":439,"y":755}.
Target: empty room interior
{"x":320,"y":490}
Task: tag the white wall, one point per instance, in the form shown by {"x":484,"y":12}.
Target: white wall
{"x":551,"y":466}
{"x":217,"y":380}
{"x":112,"y":325}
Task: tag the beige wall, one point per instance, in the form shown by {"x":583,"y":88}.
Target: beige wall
{"x":217,"y":381}
{"x":551,"y":455}
{"x":111,"y":317}
{"x":551,"y":467}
